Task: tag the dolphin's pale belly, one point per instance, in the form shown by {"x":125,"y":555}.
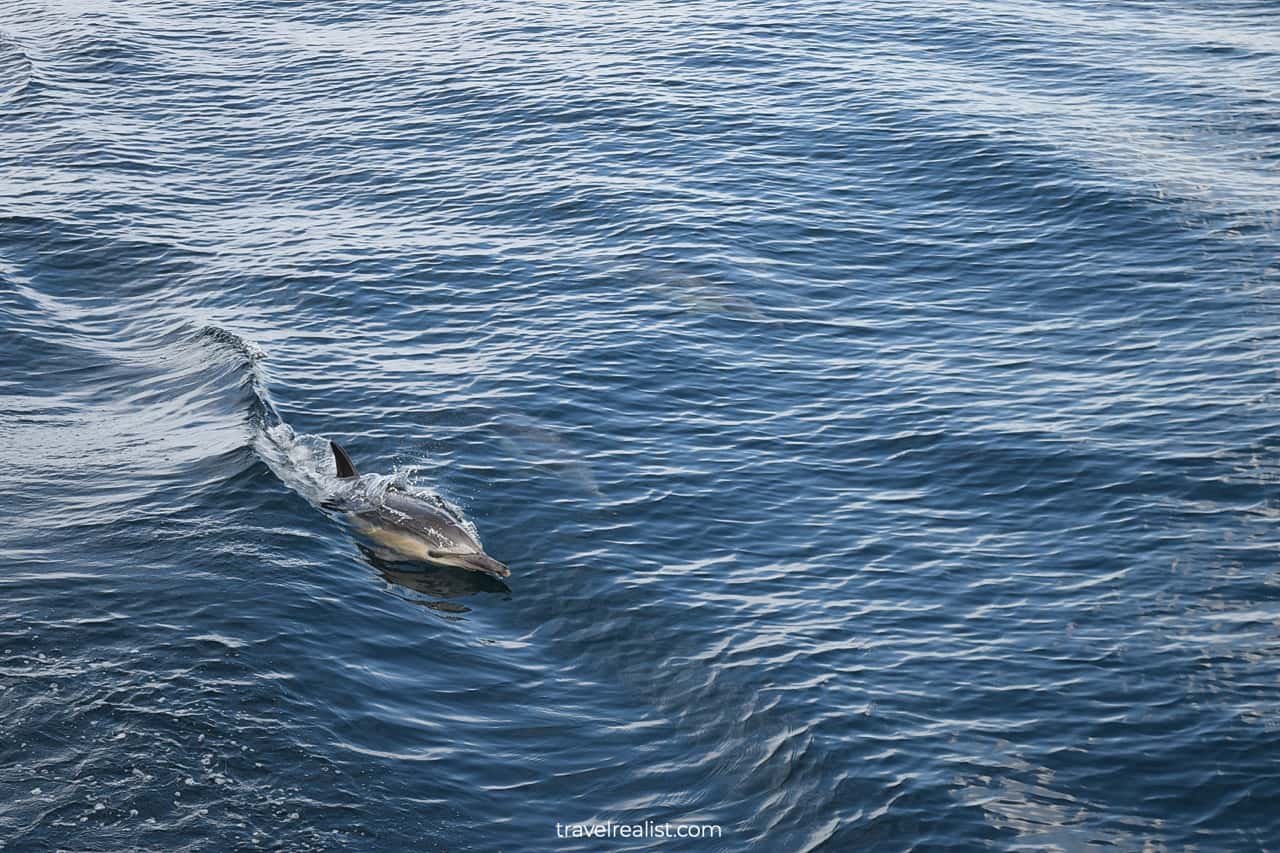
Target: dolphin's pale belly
{"x":398,"y":540}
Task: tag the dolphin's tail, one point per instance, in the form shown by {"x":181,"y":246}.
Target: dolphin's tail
{"x":346,"y":468}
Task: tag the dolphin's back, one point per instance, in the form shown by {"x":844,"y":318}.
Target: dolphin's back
{"x":420,"y":517}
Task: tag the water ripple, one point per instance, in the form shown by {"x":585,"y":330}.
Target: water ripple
{"x":873,"y":404}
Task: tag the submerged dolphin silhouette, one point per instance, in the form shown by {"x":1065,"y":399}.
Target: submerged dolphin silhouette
{"x":412,"y":528}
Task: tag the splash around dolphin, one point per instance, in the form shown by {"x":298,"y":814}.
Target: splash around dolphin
{"x":407,"y":527}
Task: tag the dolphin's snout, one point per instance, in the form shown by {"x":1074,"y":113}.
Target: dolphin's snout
{"x":484,"y":563}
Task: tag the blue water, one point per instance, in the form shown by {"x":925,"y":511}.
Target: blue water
{"x":875,"y":403}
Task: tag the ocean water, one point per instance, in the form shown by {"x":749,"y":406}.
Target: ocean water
{"x":875,"y":403}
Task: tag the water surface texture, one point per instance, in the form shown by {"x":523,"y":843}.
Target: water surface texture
{"x":875,"y":403}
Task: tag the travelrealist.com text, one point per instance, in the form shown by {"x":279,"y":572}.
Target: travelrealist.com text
{"x":647,"y":829}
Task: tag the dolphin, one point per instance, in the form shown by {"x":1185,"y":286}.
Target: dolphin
{"x":412,"y":528}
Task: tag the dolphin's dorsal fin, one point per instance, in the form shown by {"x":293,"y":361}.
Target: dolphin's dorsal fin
{"x":346,"y":468}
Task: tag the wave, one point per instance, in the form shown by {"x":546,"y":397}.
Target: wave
{"x":303,"y":461}
{"x":149,"y":399}
{"x":15,"y":69}
{"x":154,"y":408}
